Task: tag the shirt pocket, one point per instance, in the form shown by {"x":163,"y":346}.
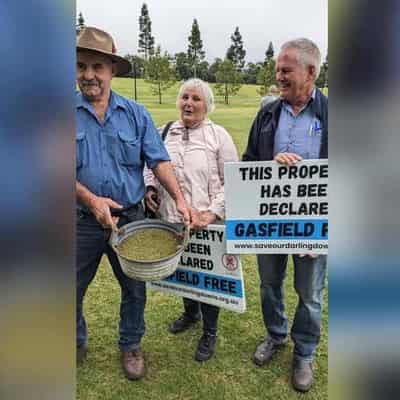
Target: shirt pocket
{"x":129,"y":154}
{"x":81,"y":149}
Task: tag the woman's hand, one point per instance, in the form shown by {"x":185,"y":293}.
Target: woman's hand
{"x":200,"y":220}
{"x":151,"y":199}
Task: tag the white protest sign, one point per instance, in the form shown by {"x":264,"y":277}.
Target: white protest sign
{"x":206,"y":273}
{"x":276,"y":209}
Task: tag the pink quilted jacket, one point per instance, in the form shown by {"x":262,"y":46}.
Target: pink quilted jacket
{"x":198,"y":156}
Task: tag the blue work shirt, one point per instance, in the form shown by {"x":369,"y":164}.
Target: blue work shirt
{"x":301,"y":133}
{"x":110,"y":155}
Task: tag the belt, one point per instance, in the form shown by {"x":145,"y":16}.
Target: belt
{"x":115,"y":212}
{"x":123,"y":212}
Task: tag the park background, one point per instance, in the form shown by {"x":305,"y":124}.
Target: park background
{"x":171,"y":371}
{"x":167,"y":42}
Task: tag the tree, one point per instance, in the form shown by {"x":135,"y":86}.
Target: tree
{"x":202,"y":70}
{"x":139,"y":64}
{"x":269,"y":54}
{"x":322,"y":80}
{"x":325,"y":67}
{"x":81,"y":23}
{"x":195,"y":51}
{"x":182,"y":66}
{"x":159,"y":73}
{"x":146,"y":40}
{"x":212,"y":70}
{"x":251,"y":71}
{"x":236,"y":53}
{"x":266,"y":75}
{"x":228,"y":80}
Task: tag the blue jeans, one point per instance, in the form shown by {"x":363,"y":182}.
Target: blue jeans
{"x":92,"y":243}
{"x":309,"y":282}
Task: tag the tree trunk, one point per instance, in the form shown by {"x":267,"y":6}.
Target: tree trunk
{"x":159,"y":92}
{"x":134,"y":80}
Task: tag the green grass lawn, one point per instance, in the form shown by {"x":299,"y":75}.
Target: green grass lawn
{"x":172,"y":373}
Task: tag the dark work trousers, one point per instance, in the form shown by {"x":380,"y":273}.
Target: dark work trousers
{"x":92,"y":243}
{"x":194,"y":309}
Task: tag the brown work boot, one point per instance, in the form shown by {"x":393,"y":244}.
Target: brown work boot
{"x":302,"y":375}
{"x":133,"y":364}
{"x":266,"y":350}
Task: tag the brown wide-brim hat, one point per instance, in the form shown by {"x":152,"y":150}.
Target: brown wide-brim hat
{"x":90,"y":38}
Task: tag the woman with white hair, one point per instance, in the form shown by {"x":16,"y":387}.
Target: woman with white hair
{"x":198,"y":149}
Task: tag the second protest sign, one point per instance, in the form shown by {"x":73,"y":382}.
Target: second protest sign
{"x":277,"y":209}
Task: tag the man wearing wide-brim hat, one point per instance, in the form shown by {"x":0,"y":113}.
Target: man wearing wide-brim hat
{"x":114,"y":138}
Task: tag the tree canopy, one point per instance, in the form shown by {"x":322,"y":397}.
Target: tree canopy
{"x":228,"y":80}
{"x":80,"y":24}
{"x":322,"y":80}
{"x":266,"y":74}
{"x":236,"y":52}
{"x":195,"y":51}
{"x":159,"y":73}
{"x":146,"y":40}
{"x":269,"y":54}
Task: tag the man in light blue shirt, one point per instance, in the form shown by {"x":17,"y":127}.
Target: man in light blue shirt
{"x":114,"y":138}
{"x":292,"y":128}
{"x":298,"y":134}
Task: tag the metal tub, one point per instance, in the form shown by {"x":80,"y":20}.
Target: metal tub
{"x":148,"y":270}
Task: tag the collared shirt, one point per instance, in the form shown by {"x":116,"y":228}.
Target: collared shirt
{"x":301,"y":133}
{"x":110,"y":155}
